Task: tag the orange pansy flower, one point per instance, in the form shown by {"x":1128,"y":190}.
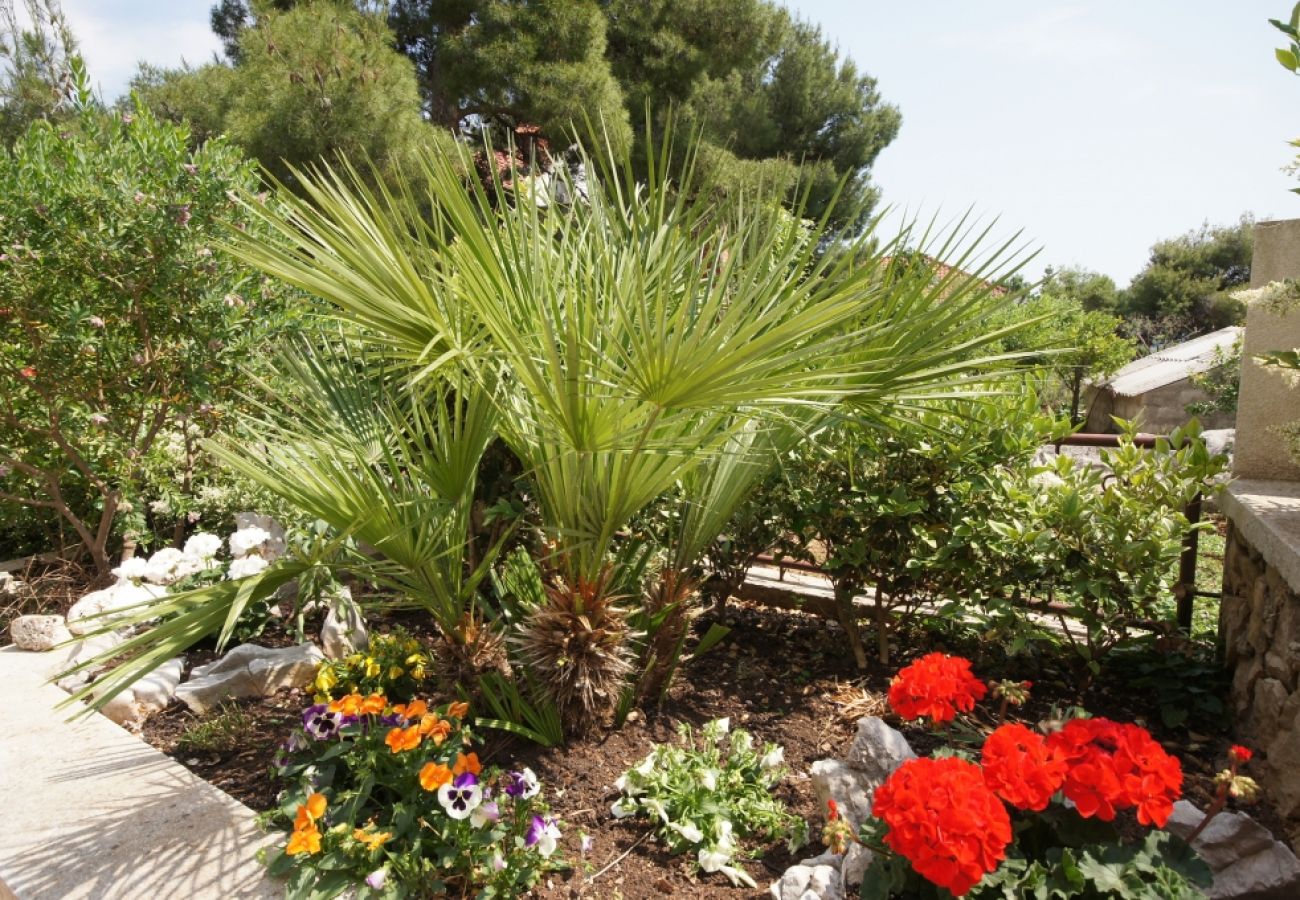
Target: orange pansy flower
{"x":347,"y":705}
{"x":458,"y":710}
{"x":306,"y":840}
{"x":402,"y":739}
{"x":434,"y":776}
{"x":373,"y":705}
{"x":412,"y":710}
{"x":434,"y":728}
{"x":467,"y":763}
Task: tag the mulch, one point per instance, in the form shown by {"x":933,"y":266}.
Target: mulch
{"x":785,"y":676}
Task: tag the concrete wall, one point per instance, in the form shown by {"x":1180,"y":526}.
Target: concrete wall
{"x":1266,"y":398}
{"x":1159,"y":411}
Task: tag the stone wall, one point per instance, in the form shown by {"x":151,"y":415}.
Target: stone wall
{"x":1259,"y":625}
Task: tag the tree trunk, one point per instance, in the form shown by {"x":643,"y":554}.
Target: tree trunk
{"x":847,"y":615}
{"x":882,"y":626}
{"x":1076,"y":389}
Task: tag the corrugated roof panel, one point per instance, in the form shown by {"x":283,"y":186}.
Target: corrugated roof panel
{"x":1171,"y":364}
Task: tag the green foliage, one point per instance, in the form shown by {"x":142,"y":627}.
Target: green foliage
{"x":1221,"y":383}
{"x":904,"y":508}
{"x":228,"y":729}
{"x":1160,"y":867}
{"x":394,"y":664}
{"x":1106,"y":542}
{"x":320,"y":80}
{"x":1073,"y":342}
{"x":42,"y":77}
{"x":111,"y":229}
{"x":1185,"y":288}
{"x":389,"y":826}
{"x":1185,"y":683}
{"x":1289,"y":58}
{"x":704,"y":794}
{"x":766,"y":90}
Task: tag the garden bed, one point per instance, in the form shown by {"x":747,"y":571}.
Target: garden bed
{"x":782,"y":675}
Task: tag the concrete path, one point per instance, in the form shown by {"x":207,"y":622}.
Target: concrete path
{"x":90,"y":811}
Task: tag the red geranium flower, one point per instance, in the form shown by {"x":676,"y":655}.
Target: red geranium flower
{"x":1020,"y":768}
{"x":1113,"y":767}
{"x":944,"y":820}
{"x":1240,"y":754}
{"x":937,"y":687}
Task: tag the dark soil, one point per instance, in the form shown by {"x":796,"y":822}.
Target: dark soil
{"x":782,"y":675}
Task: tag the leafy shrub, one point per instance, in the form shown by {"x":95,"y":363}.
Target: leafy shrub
{"x":703,"y":796}
{"x":1036,"y":815}
{"x":905,"y":509}
{"x":1105,"y":542}
{"x":395,"y":665}
{"x":119,"y":316}
{"x":1184,"y":683}
{"x":389,"y":801}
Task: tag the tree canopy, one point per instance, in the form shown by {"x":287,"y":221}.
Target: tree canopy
{"x":766,"y":91}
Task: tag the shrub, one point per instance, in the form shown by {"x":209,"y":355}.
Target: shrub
{"x":388,"y":800}
{"x":703,"y":796}
{"x":119,"y":316}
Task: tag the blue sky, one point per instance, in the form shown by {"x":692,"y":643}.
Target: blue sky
{"x":1097,"y":127}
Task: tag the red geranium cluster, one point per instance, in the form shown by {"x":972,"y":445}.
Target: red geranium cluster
{"x":944,"y":819}
{"x":936,"y":687}
{"x":1021,"y":767}
{"x":1114,"y":766}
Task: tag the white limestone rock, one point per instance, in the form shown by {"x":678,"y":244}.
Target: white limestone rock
{"x":809,"y":883}
{"x":82,"y":651}
{"x":344,"y":630}
{"x":250,"y":671}
{"x":857,"y":859}
{"x":39,"y":633}
{"x":151,"y":694}
{"x":878,"y":749}
{"x":833,"y":779}
{"x":1248,"y":863}
{"x":85,"y":615}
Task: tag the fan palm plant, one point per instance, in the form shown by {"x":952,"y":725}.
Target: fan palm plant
{"x":622,"y":342}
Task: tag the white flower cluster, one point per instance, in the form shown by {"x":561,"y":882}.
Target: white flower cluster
{"x":170,"y":565}
{"x":696,"y":793}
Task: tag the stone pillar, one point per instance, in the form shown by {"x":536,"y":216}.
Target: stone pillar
{"x":1267,"y":399}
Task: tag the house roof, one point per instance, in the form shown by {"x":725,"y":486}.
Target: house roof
{"x":1172,"y":364}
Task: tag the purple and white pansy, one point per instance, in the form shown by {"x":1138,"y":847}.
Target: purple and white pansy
{"x":461,"y":796}
{"x":521,"y":785}
{"x":543,"y":835}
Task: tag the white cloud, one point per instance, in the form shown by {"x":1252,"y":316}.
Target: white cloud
{"x":116,"y":37}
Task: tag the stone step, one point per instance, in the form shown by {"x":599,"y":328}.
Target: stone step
{"x":91,"y":811}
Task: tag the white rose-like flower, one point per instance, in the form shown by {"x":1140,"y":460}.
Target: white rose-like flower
{"x":161,"y":568}
{"x":772,"y":759}
{"x":135,"y":569}
{"x":203,"y":545}
{"x":246,"y":566}
{"x":246,"y":540}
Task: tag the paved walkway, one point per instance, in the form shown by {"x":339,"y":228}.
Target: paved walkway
{"x":91,"y":811}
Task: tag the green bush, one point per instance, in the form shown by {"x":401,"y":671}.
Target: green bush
{"x":121,"y":321}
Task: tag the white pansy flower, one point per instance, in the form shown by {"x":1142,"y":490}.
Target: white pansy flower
{"x":688,"y":830}
{"x":246,"y":540}
{"x":709,"y":778}
{"x":623,"y":808}
{"x":772,"y":759}
{"x":742,"y":742}
{"x":715,"y":730}
{"x":645,"y":767}
{"x":246,"y":566}
{"x":655,"y":807}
